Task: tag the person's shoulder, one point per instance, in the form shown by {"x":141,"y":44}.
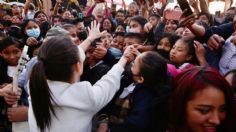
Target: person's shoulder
{"x":82,"y":84}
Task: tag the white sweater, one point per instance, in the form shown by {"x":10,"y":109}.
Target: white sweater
{"x":79,"y":102}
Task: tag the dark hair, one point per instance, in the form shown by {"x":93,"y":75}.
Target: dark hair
{"x":153,"y":65}
{"x":56,"y":16}
{"x":137,"y":36}
{"x":209,"y":17}
{"x":24,"y":24}
{"x":120,"y":11}
{"x":68,"y":26}
{"x":78,"y":20}
{"x":191,"y":49}
{"x":172,"y":38}
{"x":155,"y":15}
{"x":121,"y":24}
{"x":119,"y":34}
{"x":15,"y":31}
{"x":40,"y":12}
{"x":51,"y":65}
{"x":139,"y":19}
{"x":153,"y":68}
{"x":8,"y":41}
{"x":112,"y":25}
{"x":187,"y":84}
{"x":233,"y":79}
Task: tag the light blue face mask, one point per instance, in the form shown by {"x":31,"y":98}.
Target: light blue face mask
{"x":34,"y":32}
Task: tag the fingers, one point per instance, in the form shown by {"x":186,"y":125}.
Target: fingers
{"x":99,"y":52}
{"x":196,"y":43}
{"x":31,"y":41}
{"x":103,"y":33}
{"x":219,"y":39}
{"x":9,"y":114}
{"x":19,"y":91}
{"x":11,"y":97}
{"x":215,"y":42}
{"x":3,"y":85}
{"x":8,"y":87}
{"x":187,"y":21}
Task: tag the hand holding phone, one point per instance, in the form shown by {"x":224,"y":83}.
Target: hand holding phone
{"x":184,"y":5}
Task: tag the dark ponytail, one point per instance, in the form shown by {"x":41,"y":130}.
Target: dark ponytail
{"x":41,"y":96}
{"x":55,"y":59}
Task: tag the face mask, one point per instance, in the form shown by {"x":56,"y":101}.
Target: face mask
{"x":35,"y":32}
{"x":82,"y":35}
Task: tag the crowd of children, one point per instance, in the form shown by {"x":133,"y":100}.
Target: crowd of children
{"x":139,"y":68}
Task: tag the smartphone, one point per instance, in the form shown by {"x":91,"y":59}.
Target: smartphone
{"x":173,"y":14}
{"x":184,"y":5}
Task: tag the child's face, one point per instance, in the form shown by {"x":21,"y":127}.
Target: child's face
{"x":118,"y":42}
{"x":187,"y":34}
{"x":11,"y":55}
{"x":106,"y":39}
{"x":31,"y":25}
{"x":15,"y":20}
{"x":164,"y":44}
{"x":89,"y":55}
{"x":153,"y":20}
{"x":120,"y":29}
{"x":130,"y":41}
{"x":179,"y":53}
{"x":135,"y":27}
{"x":170,"y":26}
{"x":179,"y":31}
{"x":120,"y":17}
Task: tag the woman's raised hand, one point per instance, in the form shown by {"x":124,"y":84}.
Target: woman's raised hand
{"x":94,"y":31}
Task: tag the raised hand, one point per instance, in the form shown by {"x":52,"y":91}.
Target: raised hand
{"x":193,"y":3}
{"x":148,"y":27}
{"x":199,"y":50}
{"x":187,"y":21}
{"x":200,"y":53}
{"x":100,"y":51}
{"x":94,"y":31}
{"x":31,"y":41}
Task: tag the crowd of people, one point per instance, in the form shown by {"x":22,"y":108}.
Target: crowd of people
{"x":140,"y":68}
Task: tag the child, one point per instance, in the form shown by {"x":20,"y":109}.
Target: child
{"x":10,"y":52}
{"x":182,"y":54}
{"x":141,"y":105}
{"x":166,"y":43}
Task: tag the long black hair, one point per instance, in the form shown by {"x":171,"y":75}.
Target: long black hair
{"x":6,"y":42}
{"x":153,"y":68}
{"x":55,"y":60}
